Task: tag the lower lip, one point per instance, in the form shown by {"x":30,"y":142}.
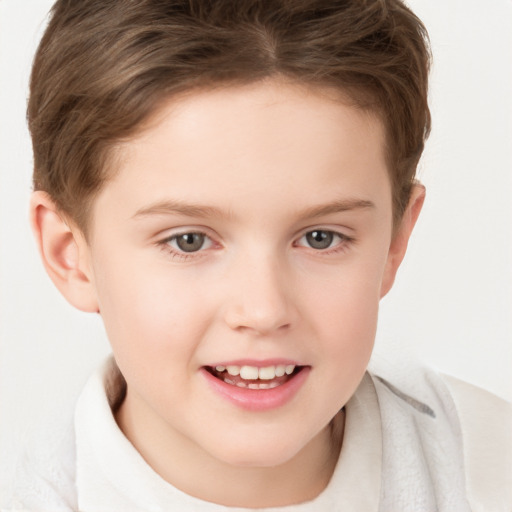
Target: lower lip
{"x":258,"y":399}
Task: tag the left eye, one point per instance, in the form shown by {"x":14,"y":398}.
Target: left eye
{"x":320,"y":239}
{"x":189,"y":242}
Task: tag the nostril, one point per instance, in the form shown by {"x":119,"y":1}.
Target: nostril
{"x":259,"y":321}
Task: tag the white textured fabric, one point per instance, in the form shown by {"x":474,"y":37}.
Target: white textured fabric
{"x":422,"y":448}
{"x":487,"y":444}
{"x":404,"y":449}
{"x":112,"y":476}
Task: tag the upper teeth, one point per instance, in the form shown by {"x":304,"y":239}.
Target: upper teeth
{"x":253,"y":372}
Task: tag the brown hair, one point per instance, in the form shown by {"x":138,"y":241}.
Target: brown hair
{"x":103,"y":66}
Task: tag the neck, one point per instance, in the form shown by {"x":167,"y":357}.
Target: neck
{"x":195,"y":472}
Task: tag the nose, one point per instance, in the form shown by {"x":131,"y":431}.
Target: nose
{"x":261,"y":297}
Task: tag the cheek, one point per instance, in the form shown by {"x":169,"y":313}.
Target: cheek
{"x":344,"y":310}
{"x":349,"y":322}
{"x":345,"y":327}
{"x":349,"y":291}
{"x":148,"y":310}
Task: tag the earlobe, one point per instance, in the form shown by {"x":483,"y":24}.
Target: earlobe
{"x":400,"y":239}
{"x":62,"y":251}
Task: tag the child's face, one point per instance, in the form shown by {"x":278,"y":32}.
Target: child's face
{"x":282,"y":201}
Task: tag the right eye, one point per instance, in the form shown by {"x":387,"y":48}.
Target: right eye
{"x":189,"y":242}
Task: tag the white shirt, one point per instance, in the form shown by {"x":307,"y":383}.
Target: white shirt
{"x":435,"y":444}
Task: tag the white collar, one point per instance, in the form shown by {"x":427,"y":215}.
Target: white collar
{"x":113,"y":476}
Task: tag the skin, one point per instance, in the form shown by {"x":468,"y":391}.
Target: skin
{"x":255,"y":169}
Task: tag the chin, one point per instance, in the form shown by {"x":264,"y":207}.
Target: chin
{"x":264,"y":454}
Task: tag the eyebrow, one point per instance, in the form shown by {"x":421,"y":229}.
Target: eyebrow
{"x":178,"y":207}
{"x":168,"y":207}
{"x":340,"y":206}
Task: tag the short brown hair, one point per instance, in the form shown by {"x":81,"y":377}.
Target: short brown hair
{"x":103,"y":66}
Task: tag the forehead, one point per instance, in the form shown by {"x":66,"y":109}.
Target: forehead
{"x":301,"y":108}
{"x":229,"y":144}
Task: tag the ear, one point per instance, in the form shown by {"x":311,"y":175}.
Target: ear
{"x":64,"y":252}
{"x":398,"y":245}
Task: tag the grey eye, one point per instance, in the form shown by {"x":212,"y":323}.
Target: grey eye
{"x":319,"y":239}
{"x":189,"y":242}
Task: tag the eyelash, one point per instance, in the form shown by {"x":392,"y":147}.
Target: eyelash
{"x":179,"y":254}
{"x":342,"y":245}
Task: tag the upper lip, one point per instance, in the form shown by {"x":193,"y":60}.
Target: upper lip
{"x":258,"y":363}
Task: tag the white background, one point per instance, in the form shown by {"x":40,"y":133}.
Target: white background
{"x":451,"y":306}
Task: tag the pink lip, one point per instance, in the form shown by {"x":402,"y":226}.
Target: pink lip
{"x":258,"y":363}
{"x":258,"y":399}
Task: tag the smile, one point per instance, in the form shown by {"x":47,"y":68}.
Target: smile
{"x":252,"y":377}
{"x":256,"y":387}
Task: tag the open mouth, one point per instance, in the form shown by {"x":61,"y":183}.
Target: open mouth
{"x":253,"y":377}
